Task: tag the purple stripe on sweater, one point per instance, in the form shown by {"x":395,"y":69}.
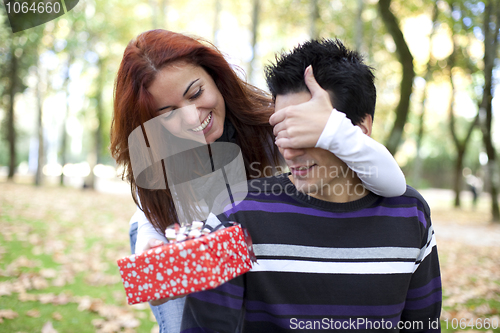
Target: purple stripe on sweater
{"x":325,"y":323}
{"x":324,"y":310}
{"x":367,"y":212}
{"x":407,"y":200}
{"x":218,"y":299}
{"x":231,"y":289}
{"x":424,"y":302}
{"x":422,"y":291}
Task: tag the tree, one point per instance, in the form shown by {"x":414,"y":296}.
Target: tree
{"x":490,"y":30}
{"x":408,"y":74}
{"x":458,"y":59}
{"x":359,"y":26}
{"x":21,"y":54}
{"x":13,"y":89}
{"x":41,"y":77}
{"x":460,"y":144}
{"x":255,"y":31}
{"x":314,"y":17}
{"x":421,"y":120}
{"x":64,"y":134}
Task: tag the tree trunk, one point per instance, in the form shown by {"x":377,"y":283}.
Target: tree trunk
{"x":485,"y":110}
{"x":94,"y":156}
{"x":417,"y":170}
{"x":255,"y":30}
{"x":100,"y":110}
{"x":460,"y":145}
{"x":406,"y":60}
{"x":64,"y":134}
{"x":458,"y":182}
{"x":41,"y":146}
{"x":359,"y":26}
{"x":314,"y":17}
{"x":11,"y":130}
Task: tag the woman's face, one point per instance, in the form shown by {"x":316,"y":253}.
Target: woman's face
{"x":189,"y":102}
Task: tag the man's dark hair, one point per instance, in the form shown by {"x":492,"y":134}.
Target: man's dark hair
{"x":338,"y":70}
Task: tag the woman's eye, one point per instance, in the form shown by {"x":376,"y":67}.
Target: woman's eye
{"x":170,"y":113}
{"x":167,"y":114}
{"x":197,"y":94}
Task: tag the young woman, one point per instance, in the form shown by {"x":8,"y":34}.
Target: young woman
{"x":163,"y":72}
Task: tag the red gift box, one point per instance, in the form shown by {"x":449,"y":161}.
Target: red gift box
{"x":184,"y":267}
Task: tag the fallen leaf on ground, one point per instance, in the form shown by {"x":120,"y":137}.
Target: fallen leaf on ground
{"x":48,"y":328}
{"x":109,"y":327}
{"x":6,"y":288}
{"x":8,"y":314}
{"x":46,"y":298}
{"x":25,"y":297}
{"x":57,"y":316}
{"x":48,"y":273}
{"x":33,"y":313}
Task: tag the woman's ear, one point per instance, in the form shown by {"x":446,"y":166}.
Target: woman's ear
{"x":366,"y":125}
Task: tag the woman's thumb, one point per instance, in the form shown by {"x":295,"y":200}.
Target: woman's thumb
{"x":311,"y":80}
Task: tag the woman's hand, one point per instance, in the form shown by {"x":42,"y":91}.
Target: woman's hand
{"x":157,"y":302}
{"x":300,"y":126}
{"x":152,"y":243}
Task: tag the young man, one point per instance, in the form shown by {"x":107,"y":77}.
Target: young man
{"x":330,"y":254}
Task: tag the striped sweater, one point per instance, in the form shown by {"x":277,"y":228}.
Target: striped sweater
{"x":368,"y":265}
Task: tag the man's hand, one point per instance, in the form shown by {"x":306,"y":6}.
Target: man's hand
{"x":300,"y":126}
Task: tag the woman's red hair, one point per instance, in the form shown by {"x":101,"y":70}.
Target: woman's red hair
{"x":247,"y":107}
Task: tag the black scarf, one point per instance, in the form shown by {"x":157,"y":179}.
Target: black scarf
{"x":229,"y":134}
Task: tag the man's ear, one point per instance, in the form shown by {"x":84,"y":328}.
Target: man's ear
{"x":366,"y":125}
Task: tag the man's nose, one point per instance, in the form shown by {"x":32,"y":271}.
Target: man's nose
{"x":290,"y":153}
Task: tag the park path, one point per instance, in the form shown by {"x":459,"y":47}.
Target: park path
{"x":466,"y":225}
{"x":472,"y":235}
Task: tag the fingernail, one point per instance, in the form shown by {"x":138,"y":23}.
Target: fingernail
{"x":308,"y":68}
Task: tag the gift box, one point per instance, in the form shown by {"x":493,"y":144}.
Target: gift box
{"x":185,"y":267}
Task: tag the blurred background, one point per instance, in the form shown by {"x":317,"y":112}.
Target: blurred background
{"x":435,"y":62}
{"x":436,"y":66}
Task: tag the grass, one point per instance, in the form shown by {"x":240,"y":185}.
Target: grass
{"x":58,"y":251}
{"x":69,"y":319}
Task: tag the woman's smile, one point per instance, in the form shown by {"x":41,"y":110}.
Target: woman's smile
{"x":204,"y":124}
